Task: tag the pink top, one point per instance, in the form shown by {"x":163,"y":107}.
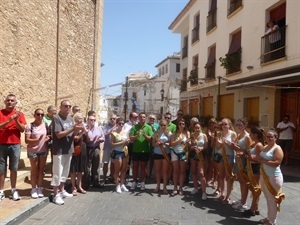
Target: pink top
{"x":35,"y":132}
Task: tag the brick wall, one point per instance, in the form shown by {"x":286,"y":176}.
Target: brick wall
{"x":28,"y":51}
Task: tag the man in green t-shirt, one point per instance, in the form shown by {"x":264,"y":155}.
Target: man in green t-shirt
{"x":171,"y":126}
{"x":140,"y":134}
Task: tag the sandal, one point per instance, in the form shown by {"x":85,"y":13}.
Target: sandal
{"x":226,"y":201}
{"x":156,"y":190}
{"x":82,"y":191}
{"x":175,"y":192}
{"x":262,"y":221}
{"x":165,"y":192}
{"x":74,"y":192}
{"x":180,"y":192}
{"x":220,"y":198}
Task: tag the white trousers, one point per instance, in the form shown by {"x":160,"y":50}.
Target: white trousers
{"x":60,"y":169}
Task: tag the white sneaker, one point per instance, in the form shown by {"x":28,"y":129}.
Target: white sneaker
{"x":118,"y":189}
{"x":2,"y":196}
{"x":34,"y":193}
{"x":240,"y":207}
{"x":204,"y":196}
{"x":14,"y":195}
{"x":142,"y":186}
{"x":123,"y":188}
{"x":58,"y":199}
{"x":195,"y":191}
{"x":133,"y":185}
{"x":236,"y":202}
{"x":40,"y":192}
{"x":65,"y":194}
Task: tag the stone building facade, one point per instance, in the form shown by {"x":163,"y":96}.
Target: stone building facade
{"x":50,"y":51}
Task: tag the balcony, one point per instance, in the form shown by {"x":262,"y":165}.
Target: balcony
{"x":273,"y":46}
{"x":193,"y":78}
{"x":211,"y":71}
{"x":184,"y":52}
{"x":234,"y":5}
{"x":183,"y":85}
{"x":232,"y":62}
{"x":211,"y":20}
{"x":195,"y":34}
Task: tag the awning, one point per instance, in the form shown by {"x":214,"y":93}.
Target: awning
{"x":283,"y":79}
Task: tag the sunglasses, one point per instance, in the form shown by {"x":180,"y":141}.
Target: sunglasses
{"x":167,"y":118}
{"x":179,"y":114}
{"x":151,"y":118}
{"x":182,"y":124}
{"x":92,"y":120}
{"x":121,"y":124}
{"x":67,"y":106}
{"x":270,"y":137}
{"x":40,"y":114}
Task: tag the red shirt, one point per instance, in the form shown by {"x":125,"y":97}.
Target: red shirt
{"x":10,"y":134}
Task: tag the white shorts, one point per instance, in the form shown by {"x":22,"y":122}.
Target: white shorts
{"x":60,"y":169}
{"x":106,"y":156}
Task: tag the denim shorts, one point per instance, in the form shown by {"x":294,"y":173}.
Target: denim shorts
{"x":34,"y":155}
{"x":13,"y":152}
{"x":117,"y":155}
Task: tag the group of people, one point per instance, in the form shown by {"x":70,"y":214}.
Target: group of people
{"x":216,"y":157}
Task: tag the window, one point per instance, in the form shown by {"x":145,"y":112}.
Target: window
{"x":211,"y":63}
{"x":163,"y":70}
{"x":195,"y":31}
{"x":177,"y":67}
{"x":212,"y":16}
{"x":193,"y":78}
{"x":167,"y":68}
{"x":232,"y":60}
{"x":184,"y":51}
{"x":159,"y":74}
{"x":234,"y":5}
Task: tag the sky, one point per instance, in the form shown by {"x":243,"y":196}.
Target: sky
{"x":136,"y":38}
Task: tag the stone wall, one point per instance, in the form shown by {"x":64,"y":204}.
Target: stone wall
{"x":30,"y":51}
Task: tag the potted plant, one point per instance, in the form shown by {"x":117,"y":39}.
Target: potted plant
{"x":232,"y":62}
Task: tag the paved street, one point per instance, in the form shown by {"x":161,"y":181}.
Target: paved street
{"x":104,"y":206}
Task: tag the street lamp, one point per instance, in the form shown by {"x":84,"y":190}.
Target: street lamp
{"x":162,"y":93}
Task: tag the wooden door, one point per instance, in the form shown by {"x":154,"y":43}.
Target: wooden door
{"x":290,"y":105}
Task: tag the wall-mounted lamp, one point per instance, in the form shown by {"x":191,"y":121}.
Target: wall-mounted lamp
{"x":249,"y":67}
{"x":162,"y":93}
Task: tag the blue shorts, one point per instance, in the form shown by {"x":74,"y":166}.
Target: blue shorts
{"x":34,"y":155}
{"x":13,"y":152}
{"x":117,"y":155}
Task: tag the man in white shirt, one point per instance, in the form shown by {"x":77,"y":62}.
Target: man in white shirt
{"x":133,"y":118}
{"x":286,"y":129}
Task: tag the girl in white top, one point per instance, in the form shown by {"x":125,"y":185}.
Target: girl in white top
{"x":179,"y":141}
{"x":270,"y":158}
{"x":36,"y":139}
{"x":242,"y":147}
{"x":228,"y":136}
{"x":199,"y":144}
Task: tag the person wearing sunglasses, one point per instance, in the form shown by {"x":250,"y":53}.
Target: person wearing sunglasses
{"x":171,"y":126}
{"x":161,"y":142}
{"x":12,"y":124}
{"x":179,"y":142}
{"x":63,"y":129}
{"x":36,"y":138}
{"x":155,"y":126}
{"x":94,"y":137}
{"x":179,"y":116}
{"x":133,"y":119}
{"x":119,"y":141}
{"x":107,"y":148}
{"x":141,"y":135}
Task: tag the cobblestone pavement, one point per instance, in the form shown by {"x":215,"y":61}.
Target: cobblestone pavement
{"x":105,"y":206}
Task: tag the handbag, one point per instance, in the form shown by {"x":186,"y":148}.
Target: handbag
{"x":77,"y":150}
{"x":217,"y":157}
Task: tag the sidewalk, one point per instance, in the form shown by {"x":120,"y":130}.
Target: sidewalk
{"x":12,"y":212}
